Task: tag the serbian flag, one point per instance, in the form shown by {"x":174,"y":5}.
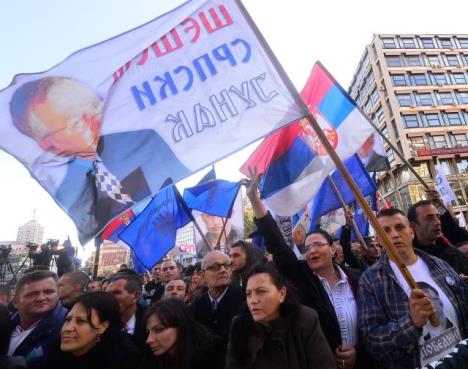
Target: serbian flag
{"x":115,"y":227}
{"x":293,"y":161}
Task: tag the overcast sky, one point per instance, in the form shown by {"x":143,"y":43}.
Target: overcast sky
{"x":36,"y":35}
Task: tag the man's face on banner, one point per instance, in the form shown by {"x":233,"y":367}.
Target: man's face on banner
{"x":66,"y":119}
{"x":214,"y":224}
{"x":367,"y":147}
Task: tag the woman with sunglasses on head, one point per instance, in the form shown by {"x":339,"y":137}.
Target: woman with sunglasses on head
{"x":178,"y":341}
{"x":276,"y":331}
{"x":92,"y":337}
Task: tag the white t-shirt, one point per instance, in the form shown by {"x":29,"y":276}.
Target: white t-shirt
{"x":434,"y":341}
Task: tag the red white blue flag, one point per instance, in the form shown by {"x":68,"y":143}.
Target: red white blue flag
{"x":293,"y":161}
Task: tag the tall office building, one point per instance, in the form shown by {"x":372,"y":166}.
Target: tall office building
{"x":32,"y":231}
{"x":415,"y":89}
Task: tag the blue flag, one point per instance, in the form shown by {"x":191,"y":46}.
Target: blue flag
{"x":153,"y":232}
{"x":215,"y":197}
{"x":137,"y":264}
{"x":209,"y":176}
{"x":326,"y":199}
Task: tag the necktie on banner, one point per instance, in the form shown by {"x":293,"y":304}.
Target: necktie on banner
{"x":180,"y":92}
{"x":153,"y":232}
{"x":215,"y":197}
{"x":107,"y":183}
{"x":293,"y":161}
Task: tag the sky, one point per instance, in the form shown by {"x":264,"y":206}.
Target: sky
{"x":36,"y":35}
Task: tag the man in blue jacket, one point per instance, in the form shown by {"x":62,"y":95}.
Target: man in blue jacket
{"x":39,"y":319}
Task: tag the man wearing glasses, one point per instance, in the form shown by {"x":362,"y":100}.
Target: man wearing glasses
{"x":216,"y":307}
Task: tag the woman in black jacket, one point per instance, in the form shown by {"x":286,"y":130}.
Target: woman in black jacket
{"x":178,"y":341}
{"x":92,"y":337}
{"x":276,"y":332}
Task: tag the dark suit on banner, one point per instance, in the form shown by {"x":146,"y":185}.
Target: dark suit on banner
{"x":140,"y":160}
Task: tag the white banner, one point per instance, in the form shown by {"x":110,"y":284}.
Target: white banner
{"x":105,"y":128}
{"x":442,"y":185}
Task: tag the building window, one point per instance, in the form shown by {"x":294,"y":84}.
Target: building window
{"x":462,"y":97}
{"x":388,"y":43}
{"x":425,"y":99}
{"x":393,"y":61}
{"x":368,"y":106}
{"x":446,"y":43}
{"x":413,"y":60}
{"x":459,"y":78}
{"x":445,"y":98}
{"x":380,"y":115}
{"x":438,"y":142}
{"x":446,"y":167}
{"x":463,"y":43}
{"x":454,"y":119}
{"x":417,"y":143}
{"x":374,"y":96}
{"x":408,"y":43}
{"x":419,"y":79}
{"x":385,"y":131}
{"x":439,"y":79}
{"x":460,"y":140}
{"x":462,"y":165}
{"x":411,"y":121}
{"x":398,"y":80}
{"x":464,"y":58}
{"x":404,"y":99}
{"x":390,"y":155}
{"x":452,"y":60}
{"x":433,"y":60}
{"x":421,"y":168}
{"x":428,"y":43}
{"x":433,"y":120}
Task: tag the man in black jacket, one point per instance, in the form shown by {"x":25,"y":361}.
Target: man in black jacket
{"x":127,"y":288}
{"x":216,"y":307}
{"x":436,"y":232}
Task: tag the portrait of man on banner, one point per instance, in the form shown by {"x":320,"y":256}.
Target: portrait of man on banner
{"x":101,"y":180}
{"x":212,"y":226}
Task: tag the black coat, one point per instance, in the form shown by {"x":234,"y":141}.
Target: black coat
{"x":139,"y":335}
{"x":220,"y":321}
{"x":294,"y":341}
{"x":112,"y":352}
{"x":443,"y":249}
{"x":310,"y":289}
{"x":207,"y":352}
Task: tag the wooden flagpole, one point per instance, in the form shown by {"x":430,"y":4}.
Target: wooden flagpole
{"x":386,"y":242}
{"x":218,"y":243}
{"x":197,"y":227}
{"x":345,"y":207}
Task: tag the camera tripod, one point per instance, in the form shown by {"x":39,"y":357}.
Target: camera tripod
{"x":5,"y":267}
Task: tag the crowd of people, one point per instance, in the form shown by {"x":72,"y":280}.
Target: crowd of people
{"x":332,"y":308}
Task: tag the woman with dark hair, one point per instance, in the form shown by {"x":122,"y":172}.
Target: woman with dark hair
{"x":178,"y":341}
{"x":92,"y":337}
{"x":6,"y":327}
{"x":276,"y":331}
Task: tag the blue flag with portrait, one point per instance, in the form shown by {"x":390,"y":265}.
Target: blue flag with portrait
{"x":153,"y":232}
